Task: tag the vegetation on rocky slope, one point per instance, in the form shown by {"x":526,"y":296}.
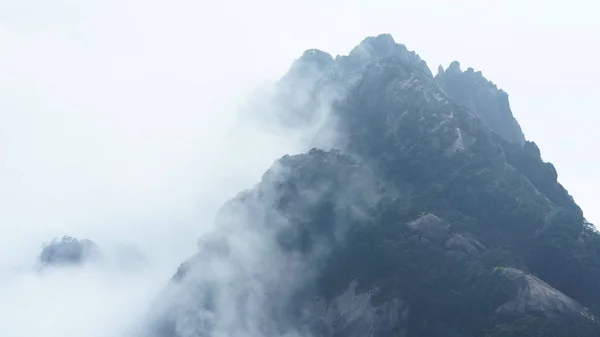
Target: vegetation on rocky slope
{"x":429,"y":203}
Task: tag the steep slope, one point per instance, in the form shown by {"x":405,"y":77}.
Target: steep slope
{"x":435,"y":218}
{"x":472,"y":90}
{"x":256,"y":274}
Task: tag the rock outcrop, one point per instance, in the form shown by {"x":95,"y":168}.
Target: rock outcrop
{"x":431,"y":227}
{"x":354,"y":314}
{"x":67,"y":251}
{"x":471,"y":89}
{"x":375,"y":48}
{"x":532,"y":296}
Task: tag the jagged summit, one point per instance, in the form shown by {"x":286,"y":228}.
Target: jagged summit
{"x":440,"y":69}
{"x":454,"y":67}
{"x":471,"y":89}
{"x":317,"y":55}
{"x":312,"y":60}
{"x":379,"y":47}
{"x":371,"y":49}
{"x":317,"y":69}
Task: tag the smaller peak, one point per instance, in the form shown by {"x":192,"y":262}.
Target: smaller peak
{"x":312,"y":61}
{"x":440,"y":70}
{"x":454,"y":67}
{"x":381,"y":38}
{"x":317,"y":57}
{"x":382,"y":46}
{"x":67,"y":251}
{"x":316,"y":53}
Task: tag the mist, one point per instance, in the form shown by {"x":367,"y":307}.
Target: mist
{"x":120,"y":122}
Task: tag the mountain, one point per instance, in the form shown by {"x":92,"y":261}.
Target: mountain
{"x":67,"y":251}
{"x":72,"y":252}
{"x":432,"y":216}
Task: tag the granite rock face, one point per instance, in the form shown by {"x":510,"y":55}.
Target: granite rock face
{"x":375,"y":48}
{"x":534,"y":296}
{"x":431,"y":227}
{"x":468,"y":246}
{"x":354,"y":314}
{"x":471,"y":89}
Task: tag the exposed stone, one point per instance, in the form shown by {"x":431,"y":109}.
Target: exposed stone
{"x":379,"y":47}
{"x":459,"y":243}
{"x":454,"y":68}
{"x":481,"y":96}
{"x":535,"y":297}
{"x":354,"y":315}
{"x":431,"y":227}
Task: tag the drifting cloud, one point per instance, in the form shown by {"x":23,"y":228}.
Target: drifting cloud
{"x":119,"y":123}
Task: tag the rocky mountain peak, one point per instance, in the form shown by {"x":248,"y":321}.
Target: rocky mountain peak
{"x":375,"y":48}
{"x":470,"y":89}
{"x":454,"y":68}
{"x":313,"y":60}
{"x":430,"y":218}
{"x":379,"y":46}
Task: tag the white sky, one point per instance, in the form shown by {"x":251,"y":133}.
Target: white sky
{"x":115,"y":115}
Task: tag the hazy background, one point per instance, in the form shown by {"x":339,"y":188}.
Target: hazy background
{"x":118,"y":121}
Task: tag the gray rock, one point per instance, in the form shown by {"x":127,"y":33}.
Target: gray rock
{"x":353,"y":314}
{"x":454,"y":68}
{"x":431,"y":227}
{"x":472,"y":90}
{"x":379,"y":47}
{"x":440,"y":69}
{"x":533,"y":296}
{"x":459,"y":243}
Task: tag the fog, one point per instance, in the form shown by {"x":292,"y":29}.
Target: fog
{"x":119,"y":122}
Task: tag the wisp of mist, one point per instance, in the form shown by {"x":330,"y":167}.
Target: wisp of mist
{"x":126,"y":132}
